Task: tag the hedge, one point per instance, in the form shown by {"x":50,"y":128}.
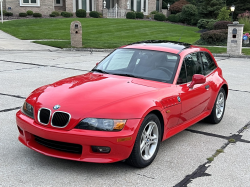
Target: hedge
{"x":94,"y":14}
{"x":221,"y":25}
{"x":215,"y":36}
{"x":130,"y":15}
{"x":81,"y":13}
{"x":160,"y":17}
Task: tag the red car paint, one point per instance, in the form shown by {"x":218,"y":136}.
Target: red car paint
{"x":98,"y":95}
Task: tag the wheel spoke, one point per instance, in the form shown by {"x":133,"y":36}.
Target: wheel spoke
{"x":142,"y":147}
{"x":147,"y":151}
{"x":150,"y":128}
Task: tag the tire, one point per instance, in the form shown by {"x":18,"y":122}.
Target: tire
{"x":147,"y":142}
{"x":219,"y":108}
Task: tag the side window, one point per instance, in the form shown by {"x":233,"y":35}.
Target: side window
{"x":183,"y":75}
{"x":193,"y":65}
{"x":208,"y":63}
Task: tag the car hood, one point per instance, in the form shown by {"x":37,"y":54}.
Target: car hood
{"x":83,"y":95}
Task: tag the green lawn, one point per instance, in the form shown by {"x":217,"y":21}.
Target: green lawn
{"x":218,"y":50}
{"x":98,"y":33}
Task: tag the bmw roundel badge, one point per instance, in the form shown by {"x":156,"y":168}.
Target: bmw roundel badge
{"x":56,"y":107}
{"x":179,"y":99}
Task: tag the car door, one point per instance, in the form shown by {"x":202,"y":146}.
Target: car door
{"x":194,"y":100}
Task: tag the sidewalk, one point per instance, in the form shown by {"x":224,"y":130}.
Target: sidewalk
{"x":8,"y":42}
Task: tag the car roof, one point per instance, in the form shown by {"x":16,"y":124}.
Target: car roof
{"x":161,"y":45}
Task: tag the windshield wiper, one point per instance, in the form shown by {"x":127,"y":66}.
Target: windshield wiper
{"x":127,"y":75}
{"x":100,"y":71}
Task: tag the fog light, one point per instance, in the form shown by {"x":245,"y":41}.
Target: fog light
{"x":100,"y":149}
{"x":20,"y":130}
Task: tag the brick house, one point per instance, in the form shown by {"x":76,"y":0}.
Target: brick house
{"x":45,"y":7}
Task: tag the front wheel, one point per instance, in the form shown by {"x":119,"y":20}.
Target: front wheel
{"x":147,"y":142}
{"x":219,"y":108}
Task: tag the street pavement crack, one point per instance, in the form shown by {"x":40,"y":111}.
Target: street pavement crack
{"x":41,"y":65}
{"x":236,"y":137}
{"x":239,"y":90}
{"x":16,"y":96}
{"x":24,"y":63}
{"x":145,"y":176}
{"x":201,"y":170}
{"x":10,"y":109}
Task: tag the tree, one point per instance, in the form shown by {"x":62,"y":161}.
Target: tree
{"x":224,"y":14}
{"x":210,"y":8}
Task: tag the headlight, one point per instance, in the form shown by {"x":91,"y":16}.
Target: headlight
{"x":101,"y":124}
{"x":28,"y":110}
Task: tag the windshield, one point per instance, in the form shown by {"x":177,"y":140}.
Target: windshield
{"x":144,"y":64}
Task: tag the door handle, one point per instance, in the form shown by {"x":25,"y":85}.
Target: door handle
{"x":207,"y":87}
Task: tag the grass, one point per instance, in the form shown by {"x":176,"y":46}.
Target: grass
{"x":98,"y":33}
{"x":246,"y":22}
{"x":219,"y":50}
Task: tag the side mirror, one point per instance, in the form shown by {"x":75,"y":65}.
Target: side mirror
{"x":97,"y":63}
{"x":197,"y":79}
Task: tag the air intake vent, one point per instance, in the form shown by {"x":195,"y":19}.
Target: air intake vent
{"x":44,"y":116}
{"x":60,"y":119}
{"x":61,"y":146}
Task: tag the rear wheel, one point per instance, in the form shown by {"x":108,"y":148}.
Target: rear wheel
{"x":219,"y":108}
{"x":147,"y":142}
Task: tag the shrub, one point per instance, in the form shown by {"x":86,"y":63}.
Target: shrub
{"x":210,"y":25}
{"x":189,"y":13}
{"x":139,"y":15}
{"x":173,"y":18}
{"x":94,"y":14}
{"x":130,"y":15}
{"x":66,"y":14}
{"x":55,"y":13}
{"x":37,"y":15}
{"x":202,"y":23}
{"x":215,"y":36}
{"x":52,"y":15}
{"x":179,"y":17}
{"x":81,"y":13}
{"x":29,"y":12}
{"x":22,"y":14}
{"x":221,"y":25}
{"x":8,"y":14}
{"x":177,"y":6}
{"x":160,"y":17}
{"x":154,"y":12}
{"x":224,"y":14}
{"x":246,"y":22}
{"x":245,"y":14}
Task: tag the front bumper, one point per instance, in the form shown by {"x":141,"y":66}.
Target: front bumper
{"x":120,"y":150}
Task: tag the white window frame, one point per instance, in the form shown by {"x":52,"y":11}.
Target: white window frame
{"x":142,"y":6}
{"x":61,"y":3}
{"x":30,"y":4}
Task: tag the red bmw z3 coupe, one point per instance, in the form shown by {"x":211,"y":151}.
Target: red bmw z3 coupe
{"x":136,"y":97}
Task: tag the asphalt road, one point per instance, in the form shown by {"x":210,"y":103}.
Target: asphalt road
{"x":181,"y":160}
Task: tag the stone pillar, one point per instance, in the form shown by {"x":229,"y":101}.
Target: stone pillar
{"x":234,"y":38}
{"x":104,"y":12}
{"x":76,"y":34}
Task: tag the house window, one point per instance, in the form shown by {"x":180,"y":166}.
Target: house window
{"x":29,"y":2}
{"x":88,"y":5}
{"x":58,"y":2}
{"x":158,"y":5}
{"x":140,"y":6}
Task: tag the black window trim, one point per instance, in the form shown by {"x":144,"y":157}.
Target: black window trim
{"x":202,"y":64}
